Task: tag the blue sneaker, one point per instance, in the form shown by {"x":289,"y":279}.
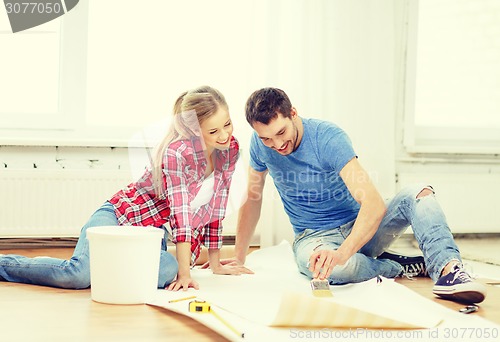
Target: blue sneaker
{"x":460,"y":287}
{"x":413,"y":266}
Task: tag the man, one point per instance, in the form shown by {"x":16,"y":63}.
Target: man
{"x":342,"y":226}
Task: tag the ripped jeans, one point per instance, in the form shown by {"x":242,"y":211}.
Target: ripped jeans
{"x":427,"y":220}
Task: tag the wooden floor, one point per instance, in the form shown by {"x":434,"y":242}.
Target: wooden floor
{"x":488,"y":309}
{"x":30,"y":312}
{"x":40,"y":313}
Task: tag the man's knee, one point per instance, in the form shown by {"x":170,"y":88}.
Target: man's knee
{"x":426,"y":191}
{"x":345,"y":274}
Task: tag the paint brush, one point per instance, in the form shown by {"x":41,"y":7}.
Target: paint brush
{"x":321,"y":288}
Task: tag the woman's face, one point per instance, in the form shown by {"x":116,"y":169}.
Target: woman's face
{"x":217,"y":130}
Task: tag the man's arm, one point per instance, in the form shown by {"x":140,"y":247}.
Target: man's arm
{"x":372,"y":210}
{"x":249,"y":213}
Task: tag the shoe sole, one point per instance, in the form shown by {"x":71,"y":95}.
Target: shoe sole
{"x":470,"y":295}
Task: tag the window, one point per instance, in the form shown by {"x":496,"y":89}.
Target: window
{"x":42,"y":71}
{"x":30,"y":73}
{"x":453,"y":72}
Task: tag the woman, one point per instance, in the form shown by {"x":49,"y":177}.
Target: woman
{"x":186,"y":188}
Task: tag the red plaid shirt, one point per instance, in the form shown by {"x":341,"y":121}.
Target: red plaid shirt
{"x":184,"y":166}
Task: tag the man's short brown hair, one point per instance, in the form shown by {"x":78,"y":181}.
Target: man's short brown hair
{"x":265,"y":104}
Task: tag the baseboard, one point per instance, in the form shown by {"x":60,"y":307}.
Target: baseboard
{"x":28,"y":243}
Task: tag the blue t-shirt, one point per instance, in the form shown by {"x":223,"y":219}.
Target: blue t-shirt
{"x":308,"y":181}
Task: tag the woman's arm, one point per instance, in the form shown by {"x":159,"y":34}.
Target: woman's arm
{"x":177,"y":193}
{"x":183,"y":280}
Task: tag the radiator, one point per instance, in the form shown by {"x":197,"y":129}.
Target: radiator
{"x":56,"y":203}
{"x":41,"y":203}
{"x":53,"y":203}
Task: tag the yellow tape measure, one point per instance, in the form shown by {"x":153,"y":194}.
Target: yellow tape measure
{"x":199,"y":306}
{"x":202,"y":306}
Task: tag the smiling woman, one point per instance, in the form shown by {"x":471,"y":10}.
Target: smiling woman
{"x":217,"y":130}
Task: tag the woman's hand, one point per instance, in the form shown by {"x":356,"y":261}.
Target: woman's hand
{"x":183,"y":283}
{"x":183,"y":280}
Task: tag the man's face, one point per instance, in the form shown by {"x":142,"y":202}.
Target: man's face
{"x":281,"y":134}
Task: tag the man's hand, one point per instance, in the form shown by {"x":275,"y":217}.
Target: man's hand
{"x":321,"y":263}
{"x":183,"y":283}
{"x":228,"y":262}
{"x":229,"y":266}
{"x":230,"y":269}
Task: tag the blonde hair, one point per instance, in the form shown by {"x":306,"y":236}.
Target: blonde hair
{"x":190,"y":110}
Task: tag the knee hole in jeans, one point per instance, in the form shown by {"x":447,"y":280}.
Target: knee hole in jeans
{"x":426,"y":191}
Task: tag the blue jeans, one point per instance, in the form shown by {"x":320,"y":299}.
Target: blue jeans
{"x":75,"y":272}
{"x":429,"y":226}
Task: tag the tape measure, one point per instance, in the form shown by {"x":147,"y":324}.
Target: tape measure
{"x":202,"y":306}
{"x":199,"y":306}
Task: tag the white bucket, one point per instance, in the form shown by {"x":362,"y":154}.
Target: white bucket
{"x":124,"y":263}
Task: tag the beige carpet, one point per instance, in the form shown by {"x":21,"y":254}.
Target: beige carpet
{"x":485,"y":250}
